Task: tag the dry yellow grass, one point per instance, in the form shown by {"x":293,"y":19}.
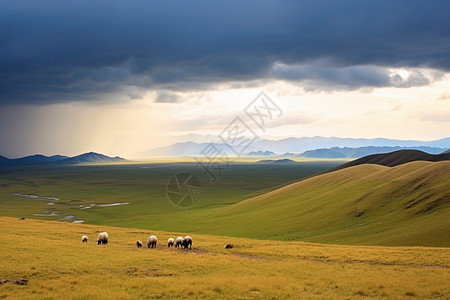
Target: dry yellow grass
{"x":59,"y":266}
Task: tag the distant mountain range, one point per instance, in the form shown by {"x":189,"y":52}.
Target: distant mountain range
{"x":345,"y":152}
{"x":277,"y":161}
{"x":300,"y":145}
{"x":396,"y":158}
{"x":296,"y":145}
{"x":39,"y":159}
{"x":261,"y":153}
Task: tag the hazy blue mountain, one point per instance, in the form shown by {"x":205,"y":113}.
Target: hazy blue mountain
{"x":345,"y":152}
{"x":296,"y":145}
{"x":90,"y":157}
{"x":261,"y":153}
{"x":325,"y":153}
{"x":442,"y":143}
{"x":277,"y":161}
{"x":39,"y":159}
{"x":300,"y":145}
{"x":57,"y":157}
{"x":31,"y":160}
{"x":447,"y":151}
{"x":288,"y":154}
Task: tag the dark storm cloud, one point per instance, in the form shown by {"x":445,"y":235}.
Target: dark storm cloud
{"x":54,"y":51}
{"x":323,"y":77}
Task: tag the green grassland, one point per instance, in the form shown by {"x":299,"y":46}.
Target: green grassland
{"x":57,"y":265}
{"x":141,"y":185}
{"x":405,"y":205}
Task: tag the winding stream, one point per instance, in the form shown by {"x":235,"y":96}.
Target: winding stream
{"x":54,"y":213}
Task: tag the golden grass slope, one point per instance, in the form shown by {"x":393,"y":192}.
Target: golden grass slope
{"x":366,"y":204}
{"x":59,"y":266}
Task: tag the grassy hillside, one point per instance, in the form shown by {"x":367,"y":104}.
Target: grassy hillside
{"x":367,"y":204}
{"x":57,"y":265}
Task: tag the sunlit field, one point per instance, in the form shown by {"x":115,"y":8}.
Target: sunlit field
{"x":51,"y":256}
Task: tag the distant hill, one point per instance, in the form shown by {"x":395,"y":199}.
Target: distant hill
{"x":277,"y":161}
{"x":38,"y":159}
{"x":396,"y":158}
{"x":31,"y":160}
{"x":324,"y":153}
{"x":447,"y":151}
{"x":346,"y":152}
{"x":90,"y":157}
{"x":261,"y":153}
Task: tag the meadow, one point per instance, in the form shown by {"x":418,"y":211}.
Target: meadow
{"x":143,"y":186}
{"x":51,"y":256}
{"x":406,"y":205}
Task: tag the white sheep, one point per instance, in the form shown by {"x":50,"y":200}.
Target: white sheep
{"x":152,"y":241}
{"x":178,"y":242}
{"x":187,"y":242}
{"x":102,"y":238}
{"x":139,"y":244}
{"x":170,"y":242}
{"x":84,"y":239}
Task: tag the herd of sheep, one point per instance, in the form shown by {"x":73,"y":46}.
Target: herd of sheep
{"x":179,"y":242}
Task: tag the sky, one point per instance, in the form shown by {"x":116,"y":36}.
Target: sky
{"x":121,"y":77}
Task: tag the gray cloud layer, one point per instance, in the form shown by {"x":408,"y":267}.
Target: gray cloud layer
{"x":56,"y":51}
{"x":322,"y":77}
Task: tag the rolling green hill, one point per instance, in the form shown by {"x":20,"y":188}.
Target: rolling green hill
{"x":366,"y":204}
